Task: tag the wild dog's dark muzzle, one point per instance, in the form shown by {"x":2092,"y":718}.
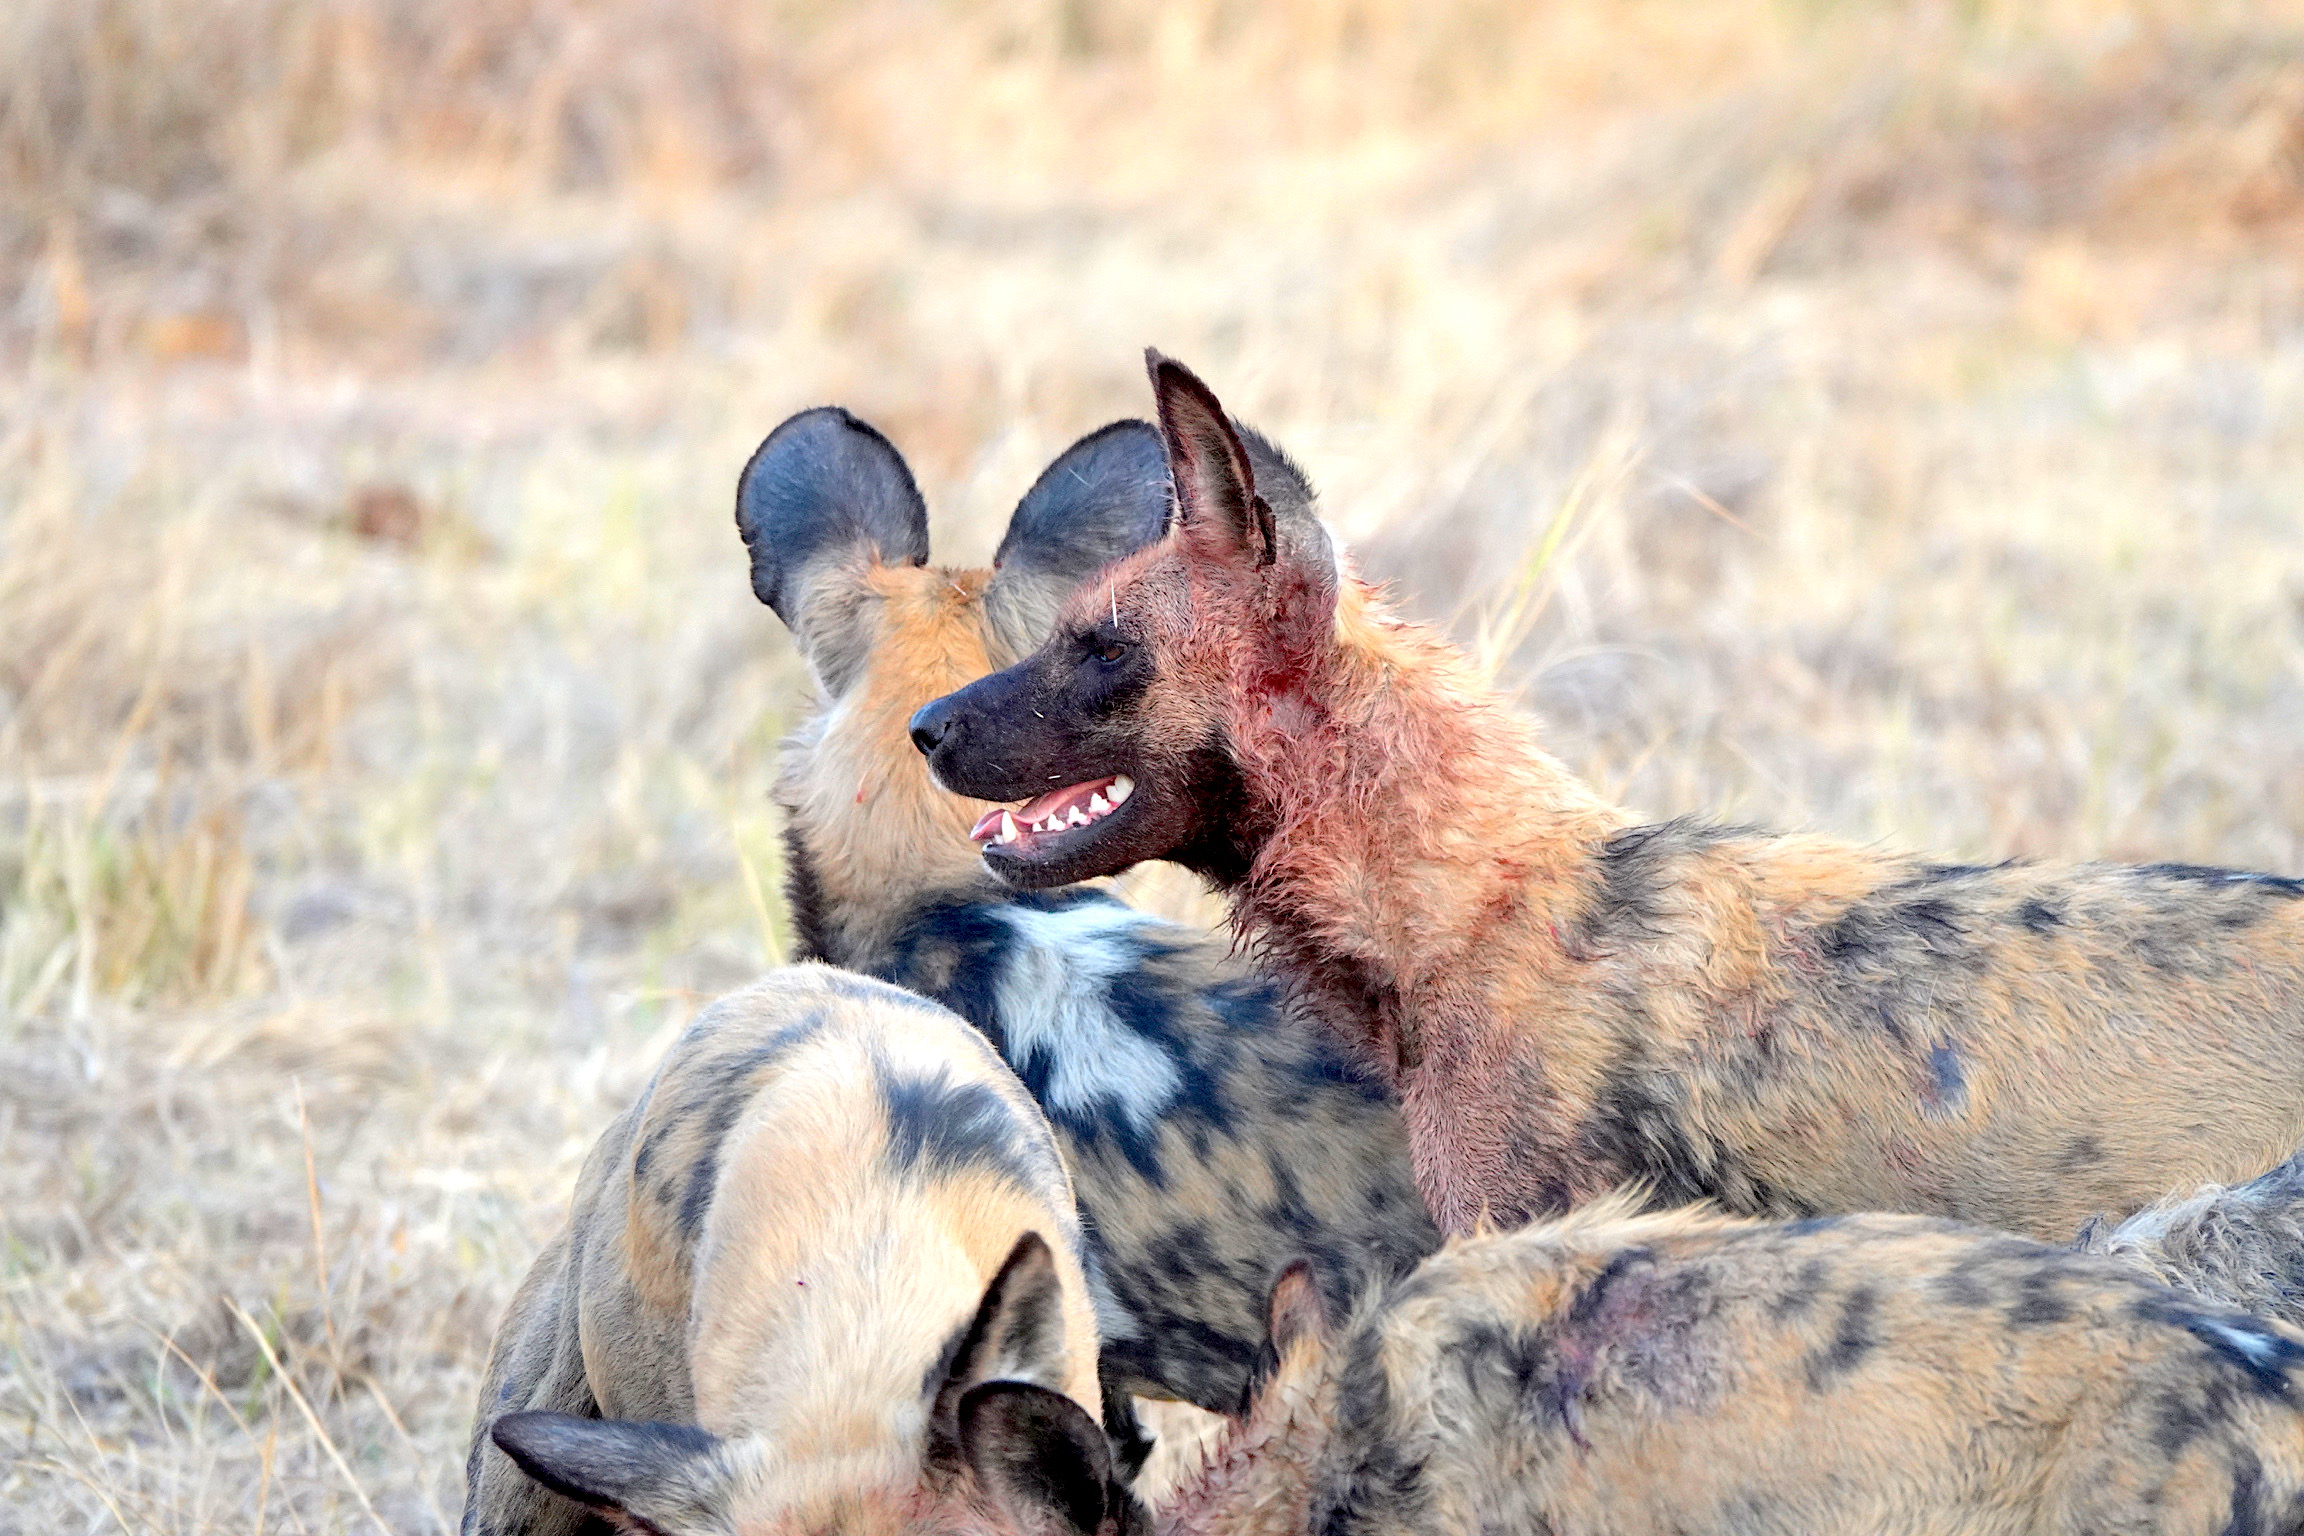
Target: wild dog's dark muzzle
{"x":932,"y":722}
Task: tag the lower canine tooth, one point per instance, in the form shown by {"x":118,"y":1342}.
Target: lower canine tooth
{"x":1007,"y":827}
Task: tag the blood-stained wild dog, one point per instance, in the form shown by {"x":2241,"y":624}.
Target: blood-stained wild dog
{"x":1608,"y":1374}
{"x":1567,"y":1000}
{"x":832,"y":1213}
{"x":1213,"y":1133}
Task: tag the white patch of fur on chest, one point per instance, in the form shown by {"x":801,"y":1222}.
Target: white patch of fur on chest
{"x":1054,"y":999}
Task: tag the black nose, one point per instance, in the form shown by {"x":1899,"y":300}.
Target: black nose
{"x":932,"y":724}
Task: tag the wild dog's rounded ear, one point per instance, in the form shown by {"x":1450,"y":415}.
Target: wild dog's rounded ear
{"x":1104,"y":497}
{"x":1017,"y":1334}
{"x":1214,"y":479}
{"x":665,"y":1478}
{"x":1043,"y":1463}
{"x":824,"y":485}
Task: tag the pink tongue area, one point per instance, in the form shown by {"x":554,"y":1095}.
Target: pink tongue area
{"x":1054,"y":803}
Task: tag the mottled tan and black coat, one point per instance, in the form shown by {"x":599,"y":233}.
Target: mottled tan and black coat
{"x":1568,"y":999}
{"x":1214,"y":1133}
{"x":832,"y":1213}
{"x":1611,"y":1374}
{"x":1616,"y":1375}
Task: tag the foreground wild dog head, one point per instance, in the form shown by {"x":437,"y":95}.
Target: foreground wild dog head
{"x":1140,"y":676}
{"x":832,"y":1215}
{"x":677,"y":1478}
{"x":838,"y":536}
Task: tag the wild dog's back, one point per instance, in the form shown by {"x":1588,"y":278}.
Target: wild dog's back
{"x":1873,"y":1373}
{"x":783,"y":1243}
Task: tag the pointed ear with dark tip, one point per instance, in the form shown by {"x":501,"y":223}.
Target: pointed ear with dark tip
{"x":1214,"y":480}
{"x":1017,"y":1334}
{"x":1104,"y":497}
{"x":1043,"y":1463}
{"x":825,"y":491}
{"x":666,"y":1478}
{"x":1296,"y":1310}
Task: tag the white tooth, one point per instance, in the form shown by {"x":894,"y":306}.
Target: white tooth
{"x":1075,"y":817}
{"x":1045,"y":824}
{"x":1122,"y":788}
{"x":1007,"y":827}
{"x":1097,"y":804}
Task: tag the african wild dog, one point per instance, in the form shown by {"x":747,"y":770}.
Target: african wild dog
{"x":1615,"y":1375}
{"x":1567,"y":1000}
{"x":1213,"y":1134}
{"x":832,"y":1212}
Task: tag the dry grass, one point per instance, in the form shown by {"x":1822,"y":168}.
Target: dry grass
{"x":1877,"y":418}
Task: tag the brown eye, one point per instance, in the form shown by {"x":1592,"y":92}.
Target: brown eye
{"x":1113,"y":650}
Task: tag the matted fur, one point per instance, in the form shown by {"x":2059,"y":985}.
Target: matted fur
{"x":779,"y":1243}
{"x":2242,"y":1244}
{"x":1213,"y":1132}
{"x":1568,"y":1000}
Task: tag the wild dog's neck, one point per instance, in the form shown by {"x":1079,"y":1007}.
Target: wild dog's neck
{"x":1411,"y":811}
{"x":868,"y":839}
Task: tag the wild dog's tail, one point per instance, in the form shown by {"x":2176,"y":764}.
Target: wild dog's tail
{"x":2241,"y":1245}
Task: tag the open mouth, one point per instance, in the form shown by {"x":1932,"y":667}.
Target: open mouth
{"x":1038,"y":822}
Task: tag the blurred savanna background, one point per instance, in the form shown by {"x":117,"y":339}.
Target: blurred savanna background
{"x":1880,"y":418}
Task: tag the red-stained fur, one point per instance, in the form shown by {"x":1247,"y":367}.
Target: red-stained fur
{"x":1567,"y":999}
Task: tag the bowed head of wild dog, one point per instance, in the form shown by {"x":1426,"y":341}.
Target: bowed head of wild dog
{"x":1567,"y":998}
{"x":830,"y":1218}
{"x":1213,"y":1132}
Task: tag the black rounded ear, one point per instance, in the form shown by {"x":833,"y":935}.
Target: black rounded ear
{"x":667,"y":1478}
{"x":1017,"y":1334}
{"x":1214,"y":478}
{"x":822,"y":486}
{"x":1104,"y":497}
{"x":1042,"y":1461}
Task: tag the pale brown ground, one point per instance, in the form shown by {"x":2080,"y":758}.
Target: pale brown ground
{"x":1883,"y":420}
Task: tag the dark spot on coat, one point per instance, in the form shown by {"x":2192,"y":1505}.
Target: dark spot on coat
{"x":2039,"y":916}
{"x":940,"y":1128}
{"x":1799,"y":1296}
{"x":1947,"y":1092}
{"x":2081,"y":1152}
{"x":2039,"y":1300}
{"x":1853,"y":1338}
